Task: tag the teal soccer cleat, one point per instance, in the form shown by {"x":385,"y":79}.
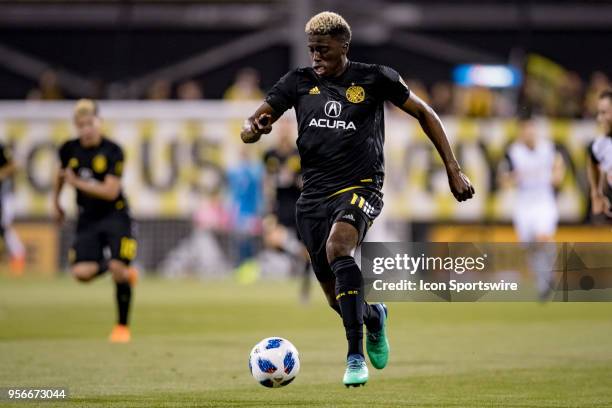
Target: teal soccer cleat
{"x":356,"y":373}
{"x":377,"y":343}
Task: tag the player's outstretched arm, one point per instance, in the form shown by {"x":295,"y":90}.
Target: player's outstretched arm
{"x":258,"y":123}
{"x":460,"y":185}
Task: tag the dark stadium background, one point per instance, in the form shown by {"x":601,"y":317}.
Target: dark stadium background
{"x":115,"y":41}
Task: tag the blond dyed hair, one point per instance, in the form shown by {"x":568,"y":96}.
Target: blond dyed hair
{"x":85,"y":107}
{"x":329,"y":23}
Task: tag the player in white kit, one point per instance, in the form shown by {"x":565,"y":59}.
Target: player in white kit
{"x":536,"y":168}
{"x":600,"y":162}
{"x":13,"y":244}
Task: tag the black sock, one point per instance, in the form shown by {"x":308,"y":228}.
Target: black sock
{"x":371,"y":317}
{"x":124,"y":296}
{"x":336,"y":307}
{"x":349,"y":292}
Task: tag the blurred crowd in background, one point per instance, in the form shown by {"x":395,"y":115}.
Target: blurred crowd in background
{"x":568,"y":97}
{"x":547,"y":90}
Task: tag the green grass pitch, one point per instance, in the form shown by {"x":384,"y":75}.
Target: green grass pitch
{"x":191,"y":342}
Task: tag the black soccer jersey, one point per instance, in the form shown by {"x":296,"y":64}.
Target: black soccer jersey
{"x":340,"y":123}
{"x":285,"y":168}
{"x":94,"y":163}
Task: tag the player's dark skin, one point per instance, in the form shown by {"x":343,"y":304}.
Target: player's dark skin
{"x":329,"y":59}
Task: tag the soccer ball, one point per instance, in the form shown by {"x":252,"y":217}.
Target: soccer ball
{"x":274,"y":362}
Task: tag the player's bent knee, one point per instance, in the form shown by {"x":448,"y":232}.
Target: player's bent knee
{"x":80,"y":277}
{"x":337,"y":247}
{"x":82,"y":273}
{"x":119,"y":270}
{"x":341,"y":242}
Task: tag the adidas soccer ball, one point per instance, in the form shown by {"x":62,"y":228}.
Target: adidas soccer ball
{"x":274,"y":362}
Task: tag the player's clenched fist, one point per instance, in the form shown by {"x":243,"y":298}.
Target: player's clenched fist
{"x":253,"y":128}
{"x":460,"y":185}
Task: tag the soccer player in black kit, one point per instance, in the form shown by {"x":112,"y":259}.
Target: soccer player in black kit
{"x":339,"y":106}
{"x":93,"y":165}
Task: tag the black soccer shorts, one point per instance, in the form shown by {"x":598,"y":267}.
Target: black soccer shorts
{"x":315,"y":218}
{"x":115,"y":231}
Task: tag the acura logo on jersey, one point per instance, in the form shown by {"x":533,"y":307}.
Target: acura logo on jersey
{"x":331,"y":124}
{"x":333,"y":109}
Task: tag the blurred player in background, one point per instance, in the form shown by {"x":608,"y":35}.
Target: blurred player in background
{"x":12,"y":242}
{"x":244,"y":184}
{"x":340,"y":111}
{"x":93,"y":165}
{"x":282,"y":186}
{"x":599,"y":168}
{"x":536,"y":169}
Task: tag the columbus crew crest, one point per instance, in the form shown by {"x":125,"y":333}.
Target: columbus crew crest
{"x":99,"y":163}
{"x":355,"y":94}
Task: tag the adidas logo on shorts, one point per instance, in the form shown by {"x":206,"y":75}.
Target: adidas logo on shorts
{"x":348,"y":217}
